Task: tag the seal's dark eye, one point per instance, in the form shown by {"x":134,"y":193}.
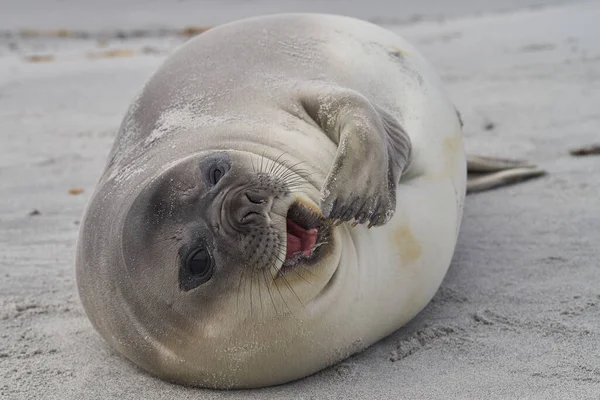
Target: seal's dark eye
{"x":197,"y":268}
{"x":216,"y":173}
{"x":200,"y":265}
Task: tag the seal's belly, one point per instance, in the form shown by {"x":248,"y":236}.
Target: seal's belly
{"x":402,"y":264}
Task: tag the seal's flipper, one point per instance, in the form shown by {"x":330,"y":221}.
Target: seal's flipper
{"x":373,"y":151}
{"x":486,"y":173}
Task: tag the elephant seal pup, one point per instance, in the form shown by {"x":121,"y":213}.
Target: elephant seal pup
{"x":220,"y":248}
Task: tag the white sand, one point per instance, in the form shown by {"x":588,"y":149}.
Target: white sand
{"x":518,"y":315}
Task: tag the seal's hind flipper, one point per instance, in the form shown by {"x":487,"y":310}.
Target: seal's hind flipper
{"x":486,"y":173}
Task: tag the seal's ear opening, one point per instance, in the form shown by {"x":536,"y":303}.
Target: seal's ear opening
{"x":215,"y":166}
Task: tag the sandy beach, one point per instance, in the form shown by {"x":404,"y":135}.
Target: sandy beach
{"x":518,"y":314}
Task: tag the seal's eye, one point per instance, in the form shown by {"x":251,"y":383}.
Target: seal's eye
{"x":196,"y":269}
{"x":216,"y":173}
{"x":200,"y":265}
{"x":200,"y":268}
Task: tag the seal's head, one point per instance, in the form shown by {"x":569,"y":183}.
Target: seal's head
{"x":212,"y":269}
{"x":224,"y":217}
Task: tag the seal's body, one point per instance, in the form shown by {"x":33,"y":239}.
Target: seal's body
{"x":212,"y":252}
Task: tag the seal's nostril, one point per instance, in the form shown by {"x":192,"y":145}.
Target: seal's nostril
{"x":255,"y":198}
{"x":252,"y":207}
{"x":251,"y":216}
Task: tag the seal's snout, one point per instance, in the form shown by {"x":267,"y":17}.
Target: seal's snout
{"x":252,"y":207}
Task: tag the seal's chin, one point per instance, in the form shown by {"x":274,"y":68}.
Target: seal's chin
{"x":306,"y":231}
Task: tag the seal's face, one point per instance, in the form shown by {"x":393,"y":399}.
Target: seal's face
{"x":226,"y":232}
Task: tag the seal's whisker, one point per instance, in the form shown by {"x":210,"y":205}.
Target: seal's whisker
{"x":302,"y":176}
{"x":297,"y":184}
{"x":241,"y":279}
{"x":279,"y":164}
{"x":251,"y":293}
{"x":291,"y":289}
{"x":264,"y":272}
{"x":281,"y":167}
{"x":258,"y":283}
{"x":293,"y":166}
{"x":288,"y":172}
{"x":279,"y":257}
{"x":300,"y":171}
{"x":278,"y":290}
{"x":264,"y":161}
{"x":292,"y":179}
{"x":248,"y":294}
{"x":304,"y":267}
{"x":307,"y":268}
{"x":259,"y":161}
{"x":270,"y":165}
{"x":252,"y":163}
{"x":278,"y":170}
{"x":275,"y":164}
{"x":300,"y":276}
{"x":295,"y":175}
{"x":228,"y":275}
{"x":297,"y":189}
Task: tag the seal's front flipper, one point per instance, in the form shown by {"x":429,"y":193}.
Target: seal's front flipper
{"x":373,"y":151}
{"x":486,"y":173}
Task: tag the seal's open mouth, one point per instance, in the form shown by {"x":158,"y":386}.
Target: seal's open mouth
{"x":305,"y":231}
{"x":299,"y":239}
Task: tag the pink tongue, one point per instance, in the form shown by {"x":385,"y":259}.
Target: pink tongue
{"x":299,"y":240}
